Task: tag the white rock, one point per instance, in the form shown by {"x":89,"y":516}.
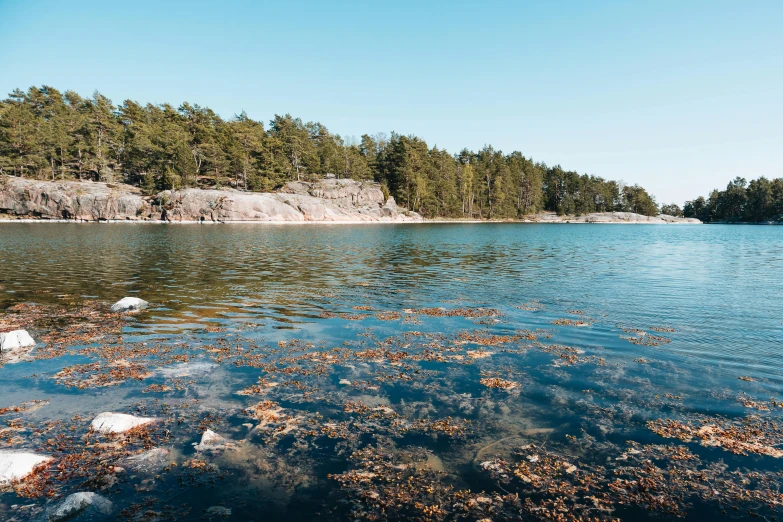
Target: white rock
{"x":78,"y":503}
{"x":17,"y":465}
{"x":118,"y":422}
{"x":15,"y":339}
{"x":129,"y":304}
{"x":211,"y":441}
{"x":150,"y":461}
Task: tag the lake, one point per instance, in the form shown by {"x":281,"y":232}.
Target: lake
{"x":431,"y":371}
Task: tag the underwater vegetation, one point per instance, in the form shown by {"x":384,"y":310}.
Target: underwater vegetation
{"x":441,"y":413}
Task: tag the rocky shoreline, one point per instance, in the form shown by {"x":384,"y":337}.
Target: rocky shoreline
{"x":611,"y":217}
{"x":325,"y":201}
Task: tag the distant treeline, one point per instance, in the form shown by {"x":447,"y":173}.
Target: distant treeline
{"x":47,"y":134}
{"x":759,"y":200}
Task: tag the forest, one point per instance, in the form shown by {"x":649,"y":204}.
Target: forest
{"x":48,"y":134}
{"x":743,"y":202}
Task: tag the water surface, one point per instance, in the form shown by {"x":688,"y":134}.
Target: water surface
{"x":659,"y":322}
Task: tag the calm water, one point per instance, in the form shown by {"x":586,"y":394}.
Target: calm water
{"x":719,"y":289}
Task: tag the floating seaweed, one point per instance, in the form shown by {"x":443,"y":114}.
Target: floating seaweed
{"x":400,"y":411}
{"x":741,"y":436}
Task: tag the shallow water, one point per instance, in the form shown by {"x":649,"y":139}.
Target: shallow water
{"x":708,"y":299}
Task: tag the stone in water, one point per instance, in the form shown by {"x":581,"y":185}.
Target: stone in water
{"x":15,"y":339}
{"x":78,"y":503}
{"x":118,"y":422}
{"x":129,"y":304}
{"x":17,"y":465}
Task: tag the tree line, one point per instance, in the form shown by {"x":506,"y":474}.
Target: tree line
{"x":48,"y":134}
{"x":759,"y":200}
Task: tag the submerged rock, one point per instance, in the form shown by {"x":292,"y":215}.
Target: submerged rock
{"x":189,"y":369}
{"x":211,"y":441}
{"x":150,"y":461}
{"x":15,"y":465}
{"x":219,"y":511}
{"x":15,"y":339}
{"x":118,"y":422}
{"x":78,"y":504}
{"x":129,"y":304}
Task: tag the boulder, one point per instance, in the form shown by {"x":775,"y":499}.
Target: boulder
{"x":78,"y":504}
{"x":129,"y":304}
{"x":189,"y":369}
{"x":118,"y":422}
{"x":211,"y":441}
{"x":16,"y":465}
{"x":15,"y":339}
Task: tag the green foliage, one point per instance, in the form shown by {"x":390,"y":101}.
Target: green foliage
{"x":757,"y":201}
{"x":567,"y":192}
{"x":148,"y":185}
{"x":170,"y":180}
{"x":49,"y":135}
{"x":671,"y":210}
{"x":636,"y":199}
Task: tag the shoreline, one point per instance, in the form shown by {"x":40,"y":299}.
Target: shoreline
{"x":350,"y":222}
{"x":324,"y":202}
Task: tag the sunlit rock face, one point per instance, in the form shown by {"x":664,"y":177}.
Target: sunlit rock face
{"x":71,"y":200}
{"x":328,"y":200}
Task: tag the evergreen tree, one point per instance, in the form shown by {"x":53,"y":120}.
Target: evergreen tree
{"x":51,"y":135}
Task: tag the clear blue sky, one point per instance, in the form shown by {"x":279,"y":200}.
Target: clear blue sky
{"x":679,"y":97}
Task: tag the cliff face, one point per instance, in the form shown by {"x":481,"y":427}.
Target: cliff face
{"x":328,"y":200}
{"x":85,"y":201}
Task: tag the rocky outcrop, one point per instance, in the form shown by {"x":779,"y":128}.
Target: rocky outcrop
{"x":329,"y":200}
{"x":674,"y":219}
{"x":71,"y":200}
{"x":324,"y":201}
{"x":609,"y":217}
